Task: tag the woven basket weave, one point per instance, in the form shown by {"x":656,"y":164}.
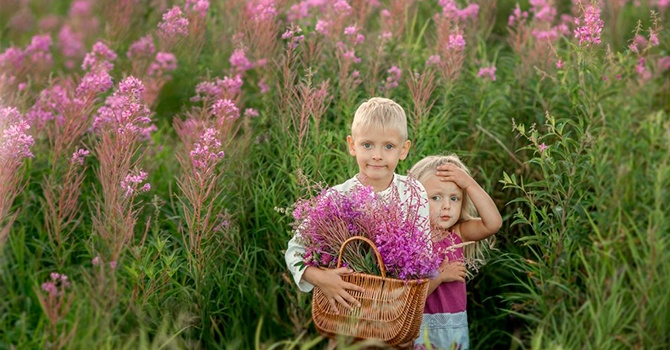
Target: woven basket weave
{"x":390,"y":311}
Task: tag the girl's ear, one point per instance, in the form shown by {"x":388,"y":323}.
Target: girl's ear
{"x":405,"y":149}
{"x":350,"y":142}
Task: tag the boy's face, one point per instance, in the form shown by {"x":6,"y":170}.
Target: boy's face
{"x":377,"y":153}
{"x":445,"y":200}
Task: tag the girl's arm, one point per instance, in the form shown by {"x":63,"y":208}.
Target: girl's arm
{"x":490,"y":220}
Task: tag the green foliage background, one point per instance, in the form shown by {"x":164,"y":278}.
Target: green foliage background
{"x":582,"y":259}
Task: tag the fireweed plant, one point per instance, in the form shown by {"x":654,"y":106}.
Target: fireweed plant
{"x":325,"y":221}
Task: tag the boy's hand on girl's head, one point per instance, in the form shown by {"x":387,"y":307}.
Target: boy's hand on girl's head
{"x":451,"y":271}
{"x":335,"y":289}
{"x":452,"y":172}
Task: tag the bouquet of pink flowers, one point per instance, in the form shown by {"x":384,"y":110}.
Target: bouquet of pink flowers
{"x":325,"y":221}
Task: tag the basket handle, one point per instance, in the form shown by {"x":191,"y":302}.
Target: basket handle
{"x":380,"y":262}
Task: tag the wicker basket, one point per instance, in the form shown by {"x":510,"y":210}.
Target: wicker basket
{"x":390,"y":311}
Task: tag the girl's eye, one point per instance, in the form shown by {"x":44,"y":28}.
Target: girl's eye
{"x":436,"y":198}
{"x":454,"y":199}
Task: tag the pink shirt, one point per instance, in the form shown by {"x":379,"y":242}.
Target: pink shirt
{"x":448,"y":297}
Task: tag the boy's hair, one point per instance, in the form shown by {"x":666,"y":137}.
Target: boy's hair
{"x":475,"y":254}
{"x":379,"y":112}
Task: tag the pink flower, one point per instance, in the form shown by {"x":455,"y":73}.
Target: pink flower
{"x":174,"y":23}
{"x":489,"y":72}
{"x":225,"y":109}
{"x":132,"y":181}
{"x":250,"y":112}
{"x":143,"y":47}
{"x":96,"y":261}
{"x":323,"y":27}
{"x":542,"y":147}
{"x":112,"y":265}
{"x":15,"y":141}
{"x":559,"y":64}
{"x":456,"y":42}
{"x":79,"y":155}
{"x":207,"y":152}
{"x":100,"y":58}
{"x":433,"y":60}
{"x":591,"y":26}
{"x":239,"y":61}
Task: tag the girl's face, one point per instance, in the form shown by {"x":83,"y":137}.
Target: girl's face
{"x":445,"y":200}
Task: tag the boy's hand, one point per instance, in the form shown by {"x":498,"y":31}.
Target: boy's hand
{"x":451,"y":172}
{"x":451,"y":271}
{"x":334,"y":288}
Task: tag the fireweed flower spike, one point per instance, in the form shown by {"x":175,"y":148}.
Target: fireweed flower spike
{"x":589,"y":27}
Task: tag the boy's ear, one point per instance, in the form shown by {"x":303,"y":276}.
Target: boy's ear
{"x":350,"y":142}
{"x":405,"y":149}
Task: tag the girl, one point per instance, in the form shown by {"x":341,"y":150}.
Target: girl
{"x":454,"y":199}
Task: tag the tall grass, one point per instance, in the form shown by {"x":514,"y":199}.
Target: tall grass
{"x":250,"y":98}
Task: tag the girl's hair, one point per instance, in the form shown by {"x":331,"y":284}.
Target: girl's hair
{"x":379,"y":112}
{"x":475,"y":254}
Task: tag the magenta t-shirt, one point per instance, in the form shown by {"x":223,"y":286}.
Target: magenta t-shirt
{"x":448,"y":297}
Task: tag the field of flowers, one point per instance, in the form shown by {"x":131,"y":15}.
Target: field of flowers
{"x":148,"y":148}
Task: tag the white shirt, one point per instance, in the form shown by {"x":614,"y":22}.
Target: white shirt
{"x":400,"y":182}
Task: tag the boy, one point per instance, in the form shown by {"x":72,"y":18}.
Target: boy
{"x":379,"y":141}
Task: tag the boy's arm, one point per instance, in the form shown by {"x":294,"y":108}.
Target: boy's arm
{"x":293,"y":259}
{"x":329,"y":280}
{"x":490,"y":220}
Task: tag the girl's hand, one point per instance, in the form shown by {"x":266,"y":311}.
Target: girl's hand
{"x":451,"y":271}
{"x":451,"y":172}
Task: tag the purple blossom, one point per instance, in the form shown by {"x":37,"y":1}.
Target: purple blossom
{"x":132,"y":181}
{"x":165,"y":62}
{"x":323,"y":26}
{"x":542,"y":147}
{"x":143,"y":47}
{"x":174,"y":23}
{"x":199,"y":7}
{"x":124,"y":109}
{"x":488,"y":72}
{"x":100,"y":58}
{"x":15,"y":141}
{"x":239,"y":61}
{"x":393,"y":78}
{"x":250,"y":112}
{"x":79,"y":155}
{"x":225,"y":109}
{"x":207,"y":151}
{"x":71,"y":43}
{"x":590,"y":27}
{"x":325,"y":221}
{"x":456,"y":42}
{"x":262,"y":10}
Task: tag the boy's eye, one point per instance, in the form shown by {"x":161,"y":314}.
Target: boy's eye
{"x":389,"y":146}
{"x":367,"y":145}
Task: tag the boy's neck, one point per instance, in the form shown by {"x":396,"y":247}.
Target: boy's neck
{"x":375,"y":186}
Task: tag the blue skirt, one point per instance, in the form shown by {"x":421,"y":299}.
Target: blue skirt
{"x":444,"y":331}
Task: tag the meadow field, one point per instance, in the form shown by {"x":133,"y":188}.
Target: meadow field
{"x":151,"y":150}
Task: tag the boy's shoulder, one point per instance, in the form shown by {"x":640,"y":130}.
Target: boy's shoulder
{"x":347,"y":185}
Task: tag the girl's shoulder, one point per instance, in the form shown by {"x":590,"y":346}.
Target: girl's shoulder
{"x":448,"y":238}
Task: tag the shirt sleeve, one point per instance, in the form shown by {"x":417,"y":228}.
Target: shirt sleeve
{"x":293,"y":258}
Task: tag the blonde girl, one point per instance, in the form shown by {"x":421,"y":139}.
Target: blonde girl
{"x":455,"y":199}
